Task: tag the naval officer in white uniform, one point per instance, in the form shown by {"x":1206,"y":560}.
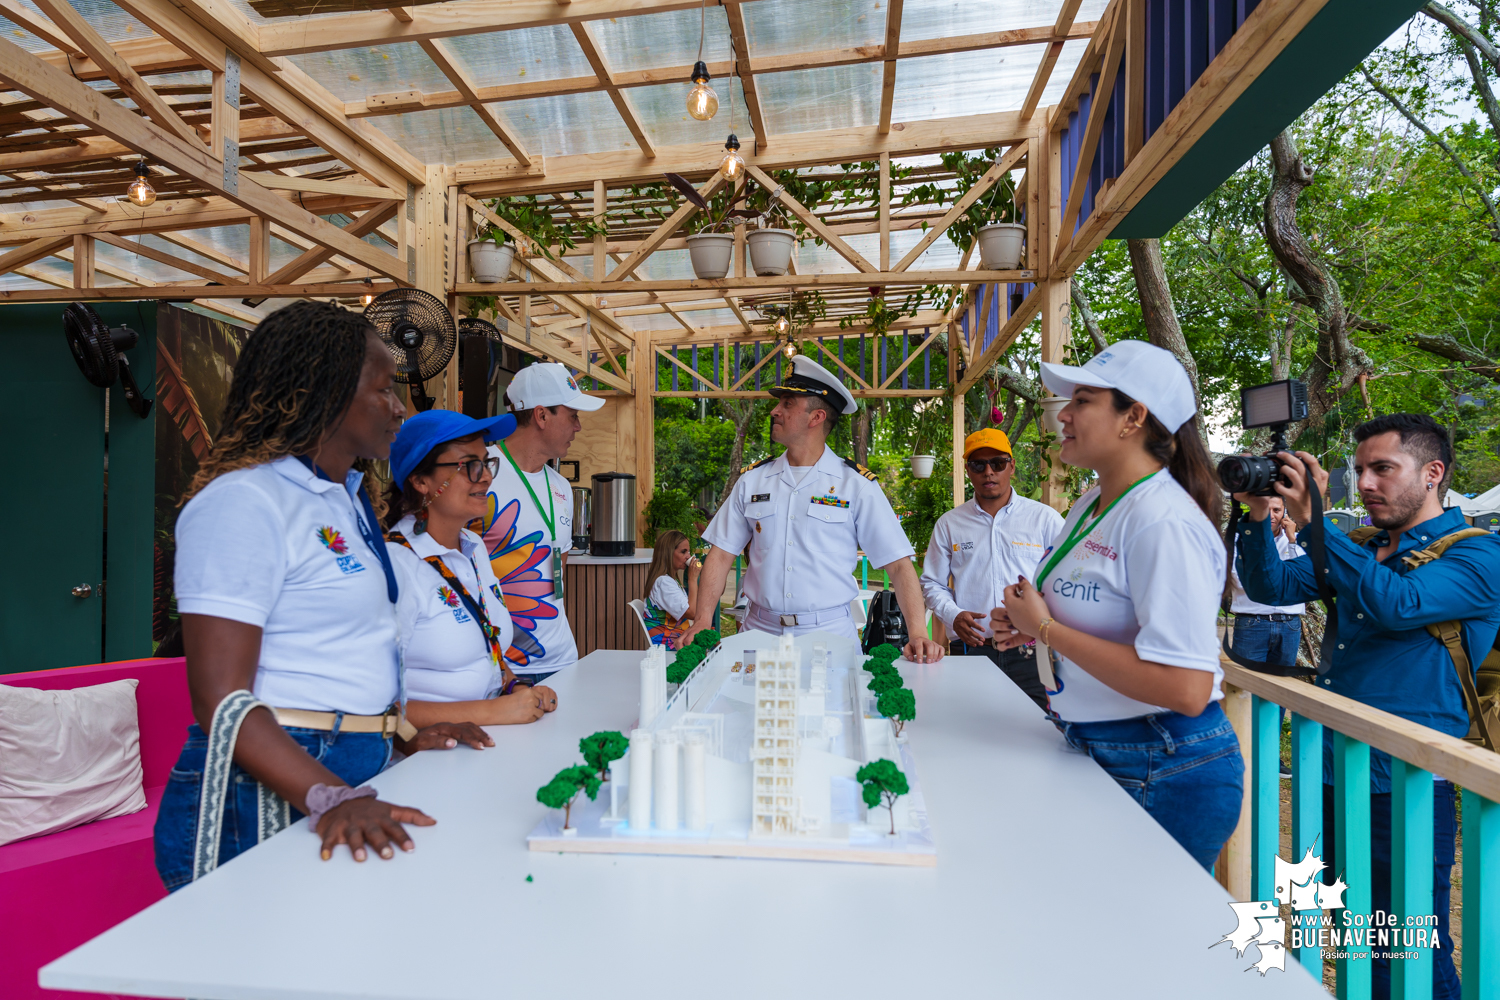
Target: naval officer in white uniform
{"x":804,"y":515}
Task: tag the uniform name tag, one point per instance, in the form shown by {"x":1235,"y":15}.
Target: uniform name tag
{"x":830,"y":501}
{"x":759,"y":497}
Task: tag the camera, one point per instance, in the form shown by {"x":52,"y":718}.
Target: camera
{"x":1275,"y":405}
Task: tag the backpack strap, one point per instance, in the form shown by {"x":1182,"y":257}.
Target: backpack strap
{"x":1421,"y":557}
{"x":1359,"y":536}
{"x":1451,"y":634}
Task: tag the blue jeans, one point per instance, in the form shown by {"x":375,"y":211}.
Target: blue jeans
{"x":1265,"y":641}
{"x":1445,"y":984}
{"x":533,"y":679}
{"x":1186,"y":772}
{"x":354,"y":757}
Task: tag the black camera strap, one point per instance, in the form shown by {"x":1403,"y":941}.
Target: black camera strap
{"x":1317,"y":551}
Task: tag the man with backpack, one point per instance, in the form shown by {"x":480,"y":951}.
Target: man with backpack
{"x":1417,"y":608}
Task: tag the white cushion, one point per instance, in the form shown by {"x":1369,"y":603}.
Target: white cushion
{"x":70,"y":757}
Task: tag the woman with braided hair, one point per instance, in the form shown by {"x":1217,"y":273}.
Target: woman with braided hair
{"x":287,"y":597}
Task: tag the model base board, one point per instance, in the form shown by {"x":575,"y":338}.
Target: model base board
{"x":774,"y":749}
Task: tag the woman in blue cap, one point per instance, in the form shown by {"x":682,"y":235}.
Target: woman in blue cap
{"x":454,"y":626}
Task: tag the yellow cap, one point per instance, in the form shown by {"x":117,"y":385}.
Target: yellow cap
{"x":990,"y":437}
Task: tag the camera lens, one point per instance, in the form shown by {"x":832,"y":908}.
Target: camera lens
{"x":1247,"y":474}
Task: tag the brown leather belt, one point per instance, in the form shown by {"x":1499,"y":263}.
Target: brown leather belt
{"x":299,"y":718}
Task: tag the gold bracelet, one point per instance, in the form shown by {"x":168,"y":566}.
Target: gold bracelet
{"x":1042,"y":627}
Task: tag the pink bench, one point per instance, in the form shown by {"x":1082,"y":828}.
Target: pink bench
{"x":58,"y":891}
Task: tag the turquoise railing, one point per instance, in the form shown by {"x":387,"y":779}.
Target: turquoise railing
{"x":1248,"y":866}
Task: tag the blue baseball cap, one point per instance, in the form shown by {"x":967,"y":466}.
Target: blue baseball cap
{"x":426,"y":431}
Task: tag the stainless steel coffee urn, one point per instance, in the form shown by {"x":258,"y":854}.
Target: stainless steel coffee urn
{"x":613,"y":531}
{"x":583,"y":515}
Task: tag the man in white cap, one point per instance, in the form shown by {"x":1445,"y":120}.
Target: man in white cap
{"x":804,"y":515}
{"x":529,"y":525}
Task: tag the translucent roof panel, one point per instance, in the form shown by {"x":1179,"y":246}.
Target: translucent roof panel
{"x":813,"y":99}
{"x":356,"y":74}
{"x":777,"y":29}
{"x":11,"y":32}
{"x":522,"y":56}
{"x":445,"y":135}
{"x":924,"y":19}
{"x":670,"y":39}
{"x":956,"y":84}
{"x":569,"y":123}
{"x":663,"y":111}
{"x":104,"y":17}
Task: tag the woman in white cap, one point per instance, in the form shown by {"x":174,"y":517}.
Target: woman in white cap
{"x":1126,"y":597}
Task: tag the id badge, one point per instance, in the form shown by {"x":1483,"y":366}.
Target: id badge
{"x":557,"y":572}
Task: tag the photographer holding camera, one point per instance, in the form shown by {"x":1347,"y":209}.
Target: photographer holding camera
{"x":1383,"y":655}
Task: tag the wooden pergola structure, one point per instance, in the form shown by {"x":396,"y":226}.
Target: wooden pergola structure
{"x":330,"y":150}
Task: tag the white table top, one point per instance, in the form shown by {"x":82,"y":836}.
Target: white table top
{"x":576,"y":558}
{"x":1050,"y":881}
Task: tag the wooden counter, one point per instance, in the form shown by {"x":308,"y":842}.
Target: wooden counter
{"x":595,"y":592}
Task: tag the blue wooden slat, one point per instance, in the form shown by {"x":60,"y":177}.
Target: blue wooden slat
{"x":1197,"y":39}
{"x":1307,"y":811}
{"x":675,"y":369}
{"x":1156,"y":65}
{"x":716,"y":364}
{"x":697,"y":385}
{"x":1351,"y":795}
{"x":1176,"y":52}
{"x":1481,"y":971}
{"x":905,"y":351}
{"x":758,"y":369}
{"x":1221,"y":25}
{"x":1411,"y":872}
{"x":1265,"y":787}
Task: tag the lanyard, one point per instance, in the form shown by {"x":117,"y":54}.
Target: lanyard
{"x":374,"y":541}
{"x":550,"y":522}
{"x":476,"y":608}
{"x":1081,"y":531}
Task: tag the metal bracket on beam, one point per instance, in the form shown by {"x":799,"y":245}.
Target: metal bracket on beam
{"x":232,"y":100}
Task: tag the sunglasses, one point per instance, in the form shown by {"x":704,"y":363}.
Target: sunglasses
{"x":978,"y":465}
{"x":476,"y":467}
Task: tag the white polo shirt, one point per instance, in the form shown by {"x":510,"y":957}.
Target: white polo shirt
{"x":1151,"y":574}
{"x":805,"y":534}
{"x":667,"y":595}
{"x":277,"y":547}
{"x":443,"y":648}
{"x":1241,"y":603}
{"x":982,"y":555}
{"x":520,"y":546}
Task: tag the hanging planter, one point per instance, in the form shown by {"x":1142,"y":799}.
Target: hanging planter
{"x":490,"y":261}
{"x":770,"y":251}
{"x":1000,"y":245}
{"x":1051,"y":407}
{"x":710,"y":253}
{"x":921,"y":466}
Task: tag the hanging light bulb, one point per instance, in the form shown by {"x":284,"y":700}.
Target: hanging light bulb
{"x":366,"y":299}
{"x":782,"y":325}
{"x":140,"y":190}
{"x":702,"y":102}
{"x":790,"y":349}
{"x":733,"y":163}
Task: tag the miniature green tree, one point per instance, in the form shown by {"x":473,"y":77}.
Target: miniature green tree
{"x":564,"y":787}
{"x":879,"y":667}
{"x":706,"y":640}
{"x":882,"y":780}
{"x":881,"y":683}
{"x":687,"y":658}
{"x":899,"y":705}
{"x":885,"y":651}
{"x":601,"y":748}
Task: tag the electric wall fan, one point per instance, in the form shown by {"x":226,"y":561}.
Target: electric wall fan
{"x":418,"y":329}
{"x":100,"y":353}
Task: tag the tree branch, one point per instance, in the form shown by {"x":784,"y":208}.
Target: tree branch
{"x":1449,"y":19}
{"x":1090,"y":322}
{"x":1445,"y":345}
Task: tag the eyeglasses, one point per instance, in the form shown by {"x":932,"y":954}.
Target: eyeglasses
{"x":475,"y":467}
{"x":978,"y":465}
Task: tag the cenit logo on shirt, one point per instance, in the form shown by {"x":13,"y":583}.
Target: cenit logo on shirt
{"x":334,"y":542}
{"x":1298,"y":886}
{"x":1075,"y":588}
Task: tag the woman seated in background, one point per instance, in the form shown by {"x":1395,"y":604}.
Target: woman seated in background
{"x":667,"y":599}
{"x":453,"y":622}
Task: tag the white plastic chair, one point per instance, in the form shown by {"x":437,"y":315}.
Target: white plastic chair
{"x":639,"y":607}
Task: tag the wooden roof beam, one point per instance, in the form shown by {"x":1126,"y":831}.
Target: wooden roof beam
{"x":746,"y":73}
{"x":1060,"y":32}
{"x":439,"y":54}
{"x":892,"y":48}
{"x":622,"y":103}
{"x":41,"y":27}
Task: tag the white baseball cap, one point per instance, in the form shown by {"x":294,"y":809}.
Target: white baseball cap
{"x":548,"y":384}
{"x":1144,"y":372}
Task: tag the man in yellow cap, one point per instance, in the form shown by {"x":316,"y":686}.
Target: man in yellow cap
{"x":979,"y":548}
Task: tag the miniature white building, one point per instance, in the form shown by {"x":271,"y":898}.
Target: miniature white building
{"x":653,"y":684}
{"x":775,"y":809}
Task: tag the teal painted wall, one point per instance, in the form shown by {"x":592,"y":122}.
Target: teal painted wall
{"x":1334,"y":42}
{"x":131,"y":495}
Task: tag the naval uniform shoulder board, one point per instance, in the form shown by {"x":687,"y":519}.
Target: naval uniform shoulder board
{"x":756,"y":465}
{"x":860,"y":469}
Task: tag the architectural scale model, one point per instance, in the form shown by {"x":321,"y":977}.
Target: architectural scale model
{"x":753,"y":755}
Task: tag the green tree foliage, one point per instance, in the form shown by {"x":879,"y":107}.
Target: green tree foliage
{"x":601,"y":748}
{"x":887,"y":652}
{"x":899,"y":705}
{"x":881,"y":683}
{"x":882,"y":781}
{"x":707,"y":639}
{"x":564,"y":787}
{"x":684,"y":663}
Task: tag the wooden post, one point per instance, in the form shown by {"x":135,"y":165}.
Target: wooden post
{"x":430,"y":233}
{"x":260,"y":250}
{"x":601,"y":204}
{"x":1056,"y":334}
{"x":739,"y":250}
{"x":958,"y":450}
{"x":885,"y":211}
{"x":643,"y":376}
{"x":1233,"y":867}
{"x":83,"y":261}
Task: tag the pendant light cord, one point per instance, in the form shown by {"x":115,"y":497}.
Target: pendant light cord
{"x":702,"y":26}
